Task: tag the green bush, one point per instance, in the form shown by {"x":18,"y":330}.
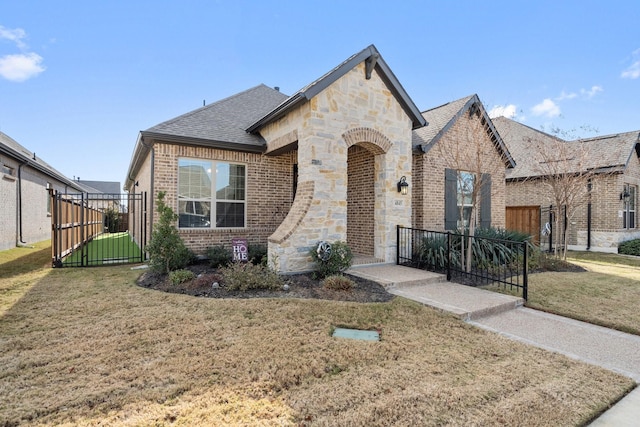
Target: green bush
{"x":258,"y":254}
{"x":219,"y":256}
{"x":630,"y":247}
{"x":181,"y":276}
{"x":338,"y":262}
{"x":244,"y":276}
{"x":338,"y":283}
{"x":167,"y":251}
{"x":112,"y":219}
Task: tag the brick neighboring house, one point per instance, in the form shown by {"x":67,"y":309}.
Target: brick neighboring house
{"x":609,"y":215}
{"x":458,"y":133}
{"x":25,"y":210}
{"x":322,"y":164}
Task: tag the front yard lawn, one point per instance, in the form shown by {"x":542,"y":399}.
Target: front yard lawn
{"x":607,"y":294}
{"x":89,"y":347}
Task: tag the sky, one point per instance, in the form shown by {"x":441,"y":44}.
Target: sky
{"x":80,"y":79}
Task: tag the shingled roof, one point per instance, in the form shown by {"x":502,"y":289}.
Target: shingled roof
{"x":223,"y":121}
{"x":608,"y":153}
{"x":10,"y":147}
{"x":443,"y":117}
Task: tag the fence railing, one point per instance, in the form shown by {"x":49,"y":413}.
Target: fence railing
{"x":491,"y":261}
{"x":94,"y":229}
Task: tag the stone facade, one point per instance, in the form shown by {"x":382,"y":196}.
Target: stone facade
{"x":352,"y":108}
{"x":465,"y":146}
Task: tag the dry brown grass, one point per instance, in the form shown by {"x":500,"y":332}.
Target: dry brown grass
{"x":88,"y":347}
{"x":608,"y":294}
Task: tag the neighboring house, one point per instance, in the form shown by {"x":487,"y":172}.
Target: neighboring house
{"x":460,"y":142}
{"x":322,"y":164}
{"x":608,"y":215}
{"x":25,"y":208}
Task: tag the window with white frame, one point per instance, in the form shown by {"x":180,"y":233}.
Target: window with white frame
{"x":629,"y":213}
{"x":211,"y":194}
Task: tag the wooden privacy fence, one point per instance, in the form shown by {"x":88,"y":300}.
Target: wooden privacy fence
{"x":525,"y":219}
{"x":74,"y":223}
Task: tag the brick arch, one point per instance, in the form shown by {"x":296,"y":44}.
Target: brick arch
{"x":368,"y":138}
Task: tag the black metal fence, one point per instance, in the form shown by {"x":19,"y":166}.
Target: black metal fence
{"x":91,"y":229}
{"x":486,"y":261}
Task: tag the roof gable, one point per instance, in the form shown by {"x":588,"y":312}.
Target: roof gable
{"x":443,"y":117}
{"x":373,"y":60}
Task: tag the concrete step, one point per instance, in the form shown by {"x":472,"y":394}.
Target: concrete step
{"x":465,"y":302}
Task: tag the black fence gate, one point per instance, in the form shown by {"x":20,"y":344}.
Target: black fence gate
{"x":91,"y":229}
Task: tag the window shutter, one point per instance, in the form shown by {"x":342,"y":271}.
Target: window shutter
{"x":450,"y":199}
{"x":485,"y":201}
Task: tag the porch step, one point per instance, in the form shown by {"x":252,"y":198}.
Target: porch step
{"x":432,"y":289}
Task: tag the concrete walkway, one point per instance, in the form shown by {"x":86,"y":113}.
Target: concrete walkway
{"x":504,"y":314}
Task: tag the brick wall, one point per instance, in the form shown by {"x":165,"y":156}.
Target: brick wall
{"x":268,"y":198}
{"x":360,"y":200}
{"x":465,"y":146}
{"x":36,"y":221}
{"x":606,"y":207}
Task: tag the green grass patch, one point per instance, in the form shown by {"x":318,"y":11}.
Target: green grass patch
{"x":108,"y":248}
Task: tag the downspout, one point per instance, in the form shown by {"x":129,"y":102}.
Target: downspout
{"x":589,"y":187}
{"x":20,"y":241}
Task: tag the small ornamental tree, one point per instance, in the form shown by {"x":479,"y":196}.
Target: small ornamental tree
{"x":167,"y":251}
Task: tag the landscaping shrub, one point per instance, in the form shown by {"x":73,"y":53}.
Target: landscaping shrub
{"x":167,"y":251}
{"x":338,"y":262}
{"x":112,"y":219}
{"x":338,"y":283}
{"x":246,"y":276}
{"x":630,"y":247}
{"x":219,"y":256}
{"x":180,"y":276}
{"x":258,"y":254}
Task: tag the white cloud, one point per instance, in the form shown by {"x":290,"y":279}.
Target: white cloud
{"x":591,"y":92}
{"x":15,"y":36}
{"x":546,"y":108}
{"x":508,"y":111}
{"x":564,"y":95}
{"x":21,"y":67}
{"x":633,"y":70}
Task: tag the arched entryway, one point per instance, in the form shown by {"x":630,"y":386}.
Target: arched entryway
{"x":361,"y":200}
{"x":366,"y":147}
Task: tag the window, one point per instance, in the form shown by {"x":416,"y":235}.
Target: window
{"x":211,"y":194}
{"x":459,"y":186}
{"x":464,"y":191}
{"x":629,"y":213}
{"x":6,"y":169}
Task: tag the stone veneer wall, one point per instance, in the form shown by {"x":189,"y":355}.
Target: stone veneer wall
{"x":463,"y":137}
{"x":269,"y":192}
{"x":321,"y":125}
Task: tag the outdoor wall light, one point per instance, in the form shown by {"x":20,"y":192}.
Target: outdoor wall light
{"x":403,"y":186}
{"x":625,"y":195}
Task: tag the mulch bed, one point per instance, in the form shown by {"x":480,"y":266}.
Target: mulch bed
{"x":299,"y":286}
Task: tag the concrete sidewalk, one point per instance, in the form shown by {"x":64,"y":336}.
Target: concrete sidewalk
{"x":504,"y":314}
